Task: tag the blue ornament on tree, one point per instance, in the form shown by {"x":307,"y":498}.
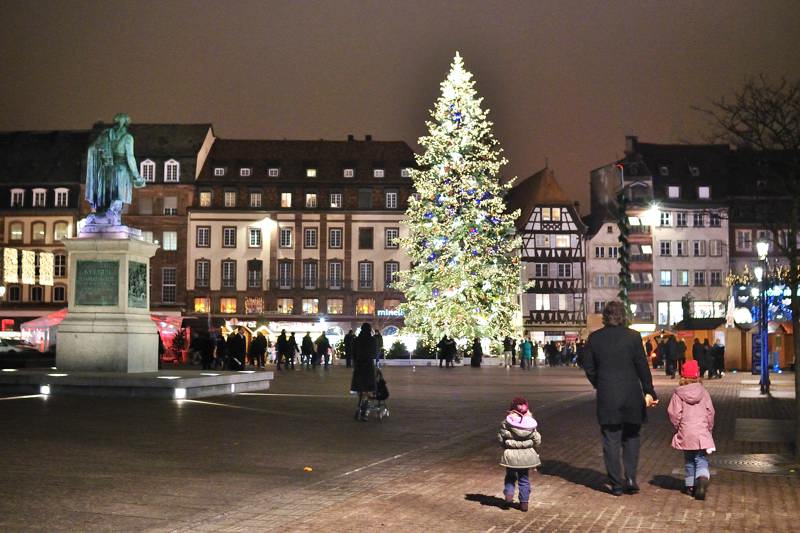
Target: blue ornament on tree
{"x":473,"y":231}
{"x":432,"y":257}
{"x":428,"y":215}
{"x":435,"y":293}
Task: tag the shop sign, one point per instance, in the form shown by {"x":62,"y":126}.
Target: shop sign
{"x":97,"y":283}
{"x":390,"y":312}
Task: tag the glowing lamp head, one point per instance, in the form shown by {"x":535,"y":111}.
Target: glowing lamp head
{"x":762,"y":248}
{"x":633,"y":308}
{"x":759,"y":272}
{"x":651,"y":216}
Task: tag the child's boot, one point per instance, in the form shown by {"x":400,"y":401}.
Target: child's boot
{"x":523,"y":506}
{"x":509,"y":500}
{"x":701,"y":488}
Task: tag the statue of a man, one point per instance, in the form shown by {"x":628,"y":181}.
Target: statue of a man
{"x":111,"y":173}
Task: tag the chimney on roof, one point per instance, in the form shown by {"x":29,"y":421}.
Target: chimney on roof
{"x":368,"y":137}
{"x":631,"y":144}
{"x":351,"y":138}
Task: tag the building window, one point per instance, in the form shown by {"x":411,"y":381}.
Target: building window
{"x":673,"y":191}
{"x":647,"y":249}
{"x":148,"y":170}
{"x":286,"y":199}
{"x":15,"y":231}
{"x":253,"y":305}
{"x":365,"y":198}
{"x":285,"y":239}
{"x":666,"y":248}
{"x":62,"y":197}
{"x":285,"y":306}
{"x":405,"y":172}
{"x":205,"y":198}
{"x":365,"y":306}
{"x":273,"y":172}
{"x":541,"y":270}
{"x":715,"y":248}
{"x":699,"y":220}
{"x":311,"y":200}
{"x":378,"y":173}
{"x":17,"y":197}
{"x":285,"y":274}
{"x":334,"y":274}
{"x":613,"y":252}
{"x":172,"y":171}
{"x":219,"y":171}
{"x":202,"y":305}
{"x":666,"y":278}
{"x":365,"y":279}
{"x":202,"y":273}
{"x":38,"y":231}
{"x":694,"y":170}
{"x":228,"y":274}
{"x":348,"y":173}
{"x":148,"y":236}
{"x":335,"y":306}
{"x":310,"y":238}
{"x":255,"y":199}
{"x":311,"y":172}
{"x":169,"y":241}
{"x":744,"y":240}
{"x":245,"y":172}
{"x":704,"y":192}
{"x":310,"y":274}
{"x":254,"y":272}
{"x":227,"y":305}
{"x":699,"y":248}
{"x":715,"y":278}
{"x":59,"y":293}
{"x":390,"y":237}
{"x":599,"y":280}
{"x":203,"y":237}
{"x":228,"y":237}
{"x":666,"y":218}
{"x":681,"y":219}
{"x":14,"y":293}
{"x":699,"y":278}
{"x":230,"y":198}
{"x":336,"y":200}
{"x":254,"y":237}
{"x":391,"y":199}
{"x":310,"y":306}
{"x":599,"y":252}
{"x":715,"y":221}
{"x":390,"y":270}
{"x":145,"y":205}
{"x":598,"y":306}
{"x":37,"y":293}
{"x":562,"y":241}
{"x":365,"y":238}
{"x":335,"y":237}
{"x":171,"y":205}
{"x":565,"y":270}
{"x":682,"y":248}
{"x":169,"y":282}
{"x":683,"y":278}
{"x":39,"y":197}
{"x":59,"y":265}
{"x":551,"y":214}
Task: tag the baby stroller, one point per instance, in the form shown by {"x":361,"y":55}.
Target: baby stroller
{"x":376,"y":401}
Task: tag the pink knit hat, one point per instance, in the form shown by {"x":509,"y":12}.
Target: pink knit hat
{"x":519,"y":404}
{"x":690,"y":370}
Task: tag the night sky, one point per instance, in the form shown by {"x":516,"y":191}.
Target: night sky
{"x":565,"y":80}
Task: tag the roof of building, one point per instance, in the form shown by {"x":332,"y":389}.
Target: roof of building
{"x":540,"y":189}
{"x":699,"y":324}
{"x":42,"y":156}
{"x":163,"y":140}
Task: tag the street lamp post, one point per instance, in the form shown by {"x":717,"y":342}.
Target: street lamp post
{"x":761,"y":272}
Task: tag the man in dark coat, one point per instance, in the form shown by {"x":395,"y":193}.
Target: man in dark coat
{"x":205,"y":346}
{"x":681,"y":355}
{"x":441,"y":348}
{"x":671,"y":356}
{"x":363,"y":381}
{"x":281,"y":348}
{"x":477,"y":353}
{"x":323,"y":349}
{"x":292,"y":352}
{"x":221,"y":351}
{"x":707,"y":360}
{"x":616,"y":366}
{"x":349,"y":339}
{"x":306,"y":350}
{"x":258,"y":347}
{"x":718,"y":354}
{"x":236,"y":349}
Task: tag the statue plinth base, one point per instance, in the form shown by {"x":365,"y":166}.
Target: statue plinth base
{"x":108,"y":326}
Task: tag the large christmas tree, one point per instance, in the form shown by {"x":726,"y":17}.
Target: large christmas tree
{"x":465,"y":274}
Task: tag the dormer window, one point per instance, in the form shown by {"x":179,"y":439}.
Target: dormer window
{"x":405,"y":172}
{"x":311,"y":172}
{"x":172,"y":171}
{"x":147,"y":169}
{"x":39,"y":197}
{"x":378,"y":173}
{"x":62,"y":197}
{"x":349,"y":172}
{"x":273,"y":172}
{"x":663,"y":170}
{"x":704,"y":192}
{"x":245,"y":172}
{"x":17,"y":197}
{"x":673,"y":191}
{"x":694,"y":170}
{"x":219,"y":171}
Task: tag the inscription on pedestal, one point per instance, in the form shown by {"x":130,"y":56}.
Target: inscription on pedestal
{"x":137,"y":284}
{"x":97,"y":283}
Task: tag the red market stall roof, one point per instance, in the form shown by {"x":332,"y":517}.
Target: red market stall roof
{"x":46,"y":321}
{"x":166,"y":323}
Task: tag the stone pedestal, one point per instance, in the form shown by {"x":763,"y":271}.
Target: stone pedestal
{"x":108,"y":326}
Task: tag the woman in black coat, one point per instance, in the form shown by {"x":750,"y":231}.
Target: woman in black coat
{"x":477,"y":353}
{"x":363,"y":382}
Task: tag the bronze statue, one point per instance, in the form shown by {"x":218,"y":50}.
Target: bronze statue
{"x":111,"y":173}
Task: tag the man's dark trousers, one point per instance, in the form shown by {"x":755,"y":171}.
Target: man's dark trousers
{"x":625,"y":436}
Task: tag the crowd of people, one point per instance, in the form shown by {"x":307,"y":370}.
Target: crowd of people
{"x":670,"y":353}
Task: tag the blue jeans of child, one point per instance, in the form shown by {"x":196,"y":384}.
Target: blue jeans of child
{"x":696,"y":462}
{"x":520,"y":476}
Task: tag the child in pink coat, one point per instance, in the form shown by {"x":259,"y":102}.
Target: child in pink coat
{"x":692,"y":413}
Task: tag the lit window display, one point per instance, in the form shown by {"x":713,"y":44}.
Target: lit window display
{"x":365,"y":306}
{"x":254,"y":306}
{"x":310,"y":306}
{"x":227,"y":305}
{"x":335,"y":306}
{"x":202,"y":305}
{"x":285,"y":306}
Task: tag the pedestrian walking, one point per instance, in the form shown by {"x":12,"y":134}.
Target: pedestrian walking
{"x":205,"y":346}
{"x":440,"y":348}
{"x":281,"y":348}
{"x":617,"y":368}
{"x":292,"y":352}
{"x":671,"y":356}
{"x":363,"y":381}
{"x":236,"y":349}
{"x":348,"y":348}
{"x":449,"y":352}
{"x":718,"y":357}
{"x":692,"y":414}
{"x":221,"y":352}
{"x":508,"y":350}
{"x":378,"y":347}
{"x":258,"y":349}
{"x":520,"y":440}
{"x":477,"y":353}
{"x":323,"y":349}
{"x":681,"y":355}
{"x":526,"y":353}
{"x":306,"y":350}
